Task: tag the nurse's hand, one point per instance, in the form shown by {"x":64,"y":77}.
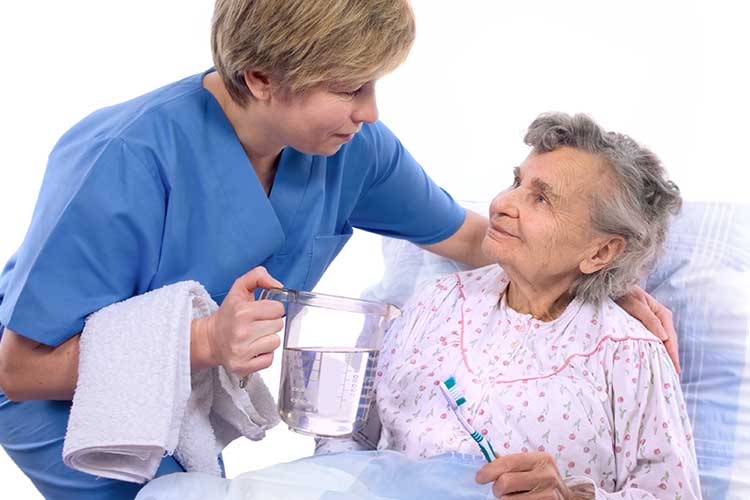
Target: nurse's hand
{"x":655,"y":317}
{"x":242,"y":334}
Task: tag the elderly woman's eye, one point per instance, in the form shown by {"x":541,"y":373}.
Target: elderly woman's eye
{"x":516,"y":182}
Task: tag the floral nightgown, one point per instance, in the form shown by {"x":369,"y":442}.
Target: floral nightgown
{"x":593,"y":388}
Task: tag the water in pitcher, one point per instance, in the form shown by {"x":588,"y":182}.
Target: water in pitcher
{"x":326,"y":391}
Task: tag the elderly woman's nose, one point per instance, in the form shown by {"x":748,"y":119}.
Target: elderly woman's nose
{"x":504,"y":204}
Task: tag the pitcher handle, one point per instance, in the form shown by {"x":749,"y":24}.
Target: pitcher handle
{"x":280,"y":294}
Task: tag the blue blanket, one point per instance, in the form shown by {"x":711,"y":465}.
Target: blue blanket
{"x":363,"y":475}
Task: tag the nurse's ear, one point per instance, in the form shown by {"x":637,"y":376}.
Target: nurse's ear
{"x":259,"y":84}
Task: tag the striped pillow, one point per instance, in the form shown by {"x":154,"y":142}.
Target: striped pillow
{"x":704,"y":278}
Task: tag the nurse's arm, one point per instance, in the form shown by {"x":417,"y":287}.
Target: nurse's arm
{"x":30,"y":370}
{"x":465,"y":245}
{"x":240,"y":335}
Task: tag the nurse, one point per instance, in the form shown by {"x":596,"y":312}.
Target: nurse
{"x":239,"y":176}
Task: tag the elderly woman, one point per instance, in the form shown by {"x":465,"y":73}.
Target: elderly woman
{"x":579,"y":399}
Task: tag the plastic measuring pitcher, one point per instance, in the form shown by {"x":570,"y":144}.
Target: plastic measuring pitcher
{"x":330,"y":352}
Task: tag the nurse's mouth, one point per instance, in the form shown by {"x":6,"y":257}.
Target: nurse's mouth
{"x":345,"y":137}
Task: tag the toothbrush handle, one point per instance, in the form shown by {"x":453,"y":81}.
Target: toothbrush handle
{"x":492,"y":450}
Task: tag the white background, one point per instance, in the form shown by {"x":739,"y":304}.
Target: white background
{"x":671,"y":74}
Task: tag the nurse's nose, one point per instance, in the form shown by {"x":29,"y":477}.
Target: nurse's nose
{"x":366,"y":109}
{"x":505,"y":204}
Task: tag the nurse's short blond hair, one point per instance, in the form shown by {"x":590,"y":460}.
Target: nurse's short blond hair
{"x":306,"y":43}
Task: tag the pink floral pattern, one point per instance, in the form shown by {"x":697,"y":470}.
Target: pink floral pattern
{"x":593,"y":388}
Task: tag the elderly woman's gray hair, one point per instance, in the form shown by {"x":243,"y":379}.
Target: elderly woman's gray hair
{"x":638,"y":207}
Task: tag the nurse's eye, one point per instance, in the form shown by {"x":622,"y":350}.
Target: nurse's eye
{"x":351,"y":94}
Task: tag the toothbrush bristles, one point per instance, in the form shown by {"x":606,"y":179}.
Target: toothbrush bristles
{"x":450,"y":385}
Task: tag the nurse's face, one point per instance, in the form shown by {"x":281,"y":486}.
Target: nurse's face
{"x":322,"y":119}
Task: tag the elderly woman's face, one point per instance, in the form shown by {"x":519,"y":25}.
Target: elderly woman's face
{"x":540,"y":226}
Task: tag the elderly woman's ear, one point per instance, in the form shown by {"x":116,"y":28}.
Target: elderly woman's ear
{"x":602,"y":254}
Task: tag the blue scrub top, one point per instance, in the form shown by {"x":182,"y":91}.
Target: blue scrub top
{"x":159,"y":189}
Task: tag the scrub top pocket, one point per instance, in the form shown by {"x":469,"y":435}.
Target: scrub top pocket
{"x":324,"y":249}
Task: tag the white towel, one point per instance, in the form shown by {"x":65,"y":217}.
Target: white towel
{"x":136,"y":400}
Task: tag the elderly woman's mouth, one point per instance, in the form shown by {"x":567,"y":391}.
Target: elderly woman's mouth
{"x":496,"y":231}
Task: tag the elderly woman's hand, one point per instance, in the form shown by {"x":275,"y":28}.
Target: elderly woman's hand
{"x":655,"y":317}
{"x":527,"y":476}
{"x":241,"y":334}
